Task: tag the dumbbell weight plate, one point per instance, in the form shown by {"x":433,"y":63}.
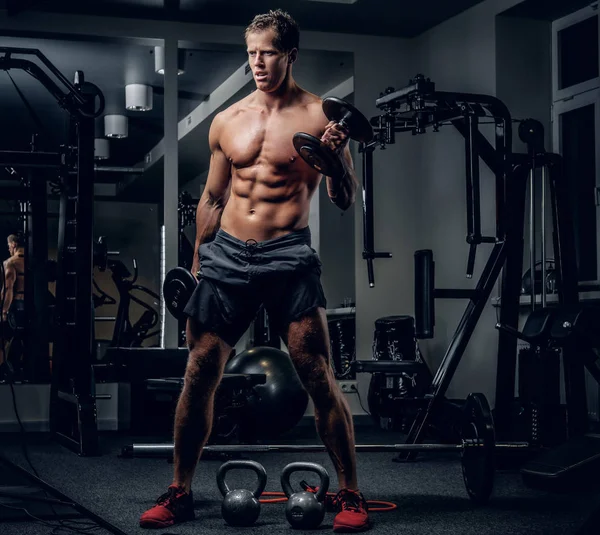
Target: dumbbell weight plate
{"x":358,"y":126}
{"x":478,"y":462}
{"x":178,"y":287}
{"x":318,"y":155}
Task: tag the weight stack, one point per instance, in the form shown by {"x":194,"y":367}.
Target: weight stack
{"x":393,"y":398}
{"x":541,"y":420}
{"x":342,"y":336}
{"x":395,"y":338}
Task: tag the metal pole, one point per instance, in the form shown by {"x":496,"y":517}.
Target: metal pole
{"x":148,"y":450}
{"x":543,"y":228}
{"x":82,"y":372}
{"x":368,"y":225}
{"x":170,"y":179}
{"x":114,"y":169}
{"x":472,"y":182}
{"x":532,"y":234}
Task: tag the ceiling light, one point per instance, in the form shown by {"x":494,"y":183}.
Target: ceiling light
{"x":159,"y":60}
{"x":115,"y":126}
{"x":138,"y":97}
{"x":101,"y":149}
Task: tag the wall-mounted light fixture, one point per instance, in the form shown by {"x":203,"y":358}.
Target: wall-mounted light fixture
{"x":159,"y":60}
{"x":115,"y":126}
{"x":138,"y":97}
{"x":101,"y":148}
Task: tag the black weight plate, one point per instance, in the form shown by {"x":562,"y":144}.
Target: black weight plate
{"x":178,"y":287}
{"x":318,"y":155}
{"x":359,"y":127}
{"x":479,"y":439}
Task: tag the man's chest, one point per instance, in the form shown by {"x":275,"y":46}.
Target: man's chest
{"x":247,"y":139}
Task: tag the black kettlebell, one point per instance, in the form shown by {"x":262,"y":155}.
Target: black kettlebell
{"x":305,"y":510}
{"x":241,"y":507}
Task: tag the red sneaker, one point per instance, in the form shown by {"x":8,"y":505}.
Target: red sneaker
{"x":173,"y":507}
{"x":353,"y":512}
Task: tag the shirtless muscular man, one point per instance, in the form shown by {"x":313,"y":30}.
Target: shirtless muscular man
{"x":12,"y":289}
{"x":253,"y":247}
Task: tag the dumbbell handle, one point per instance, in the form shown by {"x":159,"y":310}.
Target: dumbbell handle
{"x":343,"y":121}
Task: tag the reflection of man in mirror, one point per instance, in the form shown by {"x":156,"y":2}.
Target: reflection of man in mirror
{"x":13,"y":285}
{"x":13,"y":288}
{"x":253,"y":247}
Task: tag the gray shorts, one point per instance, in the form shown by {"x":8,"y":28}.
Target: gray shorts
{"x":237,"y":277}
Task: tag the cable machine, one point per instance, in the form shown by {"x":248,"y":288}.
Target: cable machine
{"x":419,"y":107}
{"x":72,"y":398}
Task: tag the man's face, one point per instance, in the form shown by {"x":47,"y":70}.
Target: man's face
{"x":269,"y":65}
{"x":11,"y":247}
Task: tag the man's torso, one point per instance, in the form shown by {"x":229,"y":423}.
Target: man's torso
{"x":17,"y":264}
{"x":271,"y":185}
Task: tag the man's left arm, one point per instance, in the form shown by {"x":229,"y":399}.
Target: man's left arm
{"x":342,"y":189}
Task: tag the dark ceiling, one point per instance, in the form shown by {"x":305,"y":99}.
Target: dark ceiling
{"x":374,"y":17}
{"x":546,"y":9}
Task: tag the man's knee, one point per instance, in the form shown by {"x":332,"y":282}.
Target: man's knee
{"x":207,"y":357}
{"x":318,"y":380}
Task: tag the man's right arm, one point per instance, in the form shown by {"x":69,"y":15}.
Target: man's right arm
{"x":216,"y":191}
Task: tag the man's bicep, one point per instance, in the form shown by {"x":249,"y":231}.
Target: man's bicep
{"x":219,"y":171}
{"x":9,"y":275}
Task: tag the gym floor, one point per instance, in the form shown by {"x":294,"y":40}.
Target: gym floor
{"x":429,"y":493}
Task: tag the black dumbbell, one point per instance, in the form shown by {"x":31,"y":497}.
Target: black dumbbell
{"x":178,"y":287}
{"x":318,"y":155}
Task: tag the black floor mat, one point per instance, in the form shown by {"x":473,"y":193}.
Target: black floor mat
{"x":430,"y":494}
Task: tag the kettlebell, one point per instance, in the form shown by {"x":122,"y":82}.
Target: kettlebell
{"x":241,"y":507}
{"x":305,"y":510}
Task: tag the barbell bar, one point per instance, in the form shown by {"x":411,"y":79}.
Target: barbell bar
{"x":161,"y":450}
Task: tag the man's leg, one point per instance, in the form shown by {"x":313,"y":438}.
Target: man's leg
{"x":193,"y":424}
{"x":195,"y":407}
{"x":308,"y":343}
{"x":6,"y":336}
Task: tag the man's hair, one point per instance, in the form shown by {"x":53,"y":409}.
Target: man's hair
{"x":18,"y":239}
{"x":287,"y":33}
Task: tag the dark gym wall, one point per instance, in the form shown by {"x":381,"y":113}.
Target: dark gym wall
{"x":336,"y":250}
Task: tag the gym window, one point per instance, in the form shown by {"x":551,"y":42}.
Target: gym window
{"x":576,"y":128}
